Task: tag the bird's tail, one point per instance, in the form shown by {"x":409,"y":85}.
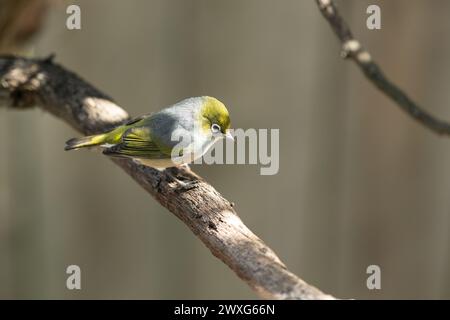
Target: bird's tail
{"x":86,"y":142}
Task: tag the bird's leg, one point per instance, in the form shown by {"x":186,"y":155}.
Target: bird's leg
{"x":178,"y":179}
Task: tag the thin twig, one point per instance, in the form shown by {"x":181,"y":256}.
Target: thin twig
{"x":351,"y":48}
{"x":30,"y":82}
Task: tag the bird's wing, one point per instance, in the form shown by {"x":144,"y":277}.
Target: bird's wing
{"x":137,"y":142}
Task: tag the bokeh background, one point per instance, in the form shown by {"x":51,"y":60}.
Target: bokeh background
{"x":360,"y":182}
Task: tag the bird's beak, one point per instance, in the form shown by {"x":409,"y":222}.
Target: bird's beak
{"x":228,"y":136}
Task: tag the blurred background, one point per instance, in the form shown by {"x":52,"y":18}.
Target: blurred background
{"x":360,"y":182}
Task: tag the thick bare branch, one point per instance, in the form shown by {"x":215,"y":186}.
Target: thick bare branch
{"x":351,"y":48}
{"x":30,"y":82}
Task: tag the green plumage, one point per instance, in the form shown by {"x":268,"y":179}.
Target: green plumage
{"x":130,"y":140}
{"x":137,"y":143}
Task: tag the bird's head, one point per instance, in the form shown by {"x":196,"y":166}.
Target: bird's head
{"x":215,"y":118}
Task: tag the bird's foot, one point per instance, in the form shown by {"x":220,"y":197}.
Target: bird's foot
{"x":182,"y":185}
{"x":186,"y":186}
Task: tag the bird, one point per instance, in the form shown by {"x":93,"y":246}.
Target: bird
{"x":176,"y":135}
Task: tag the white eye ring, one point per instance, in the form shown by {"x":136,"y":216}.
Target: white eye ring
{"x":215,"y":128}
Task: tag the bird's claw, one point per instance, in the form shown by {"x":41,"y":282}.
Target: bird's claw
{"x":182,"y":186}
{"x":186,"y":186}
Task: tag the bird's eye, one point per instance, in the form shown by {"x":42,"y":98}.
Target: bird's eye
{"x":215,"y":128}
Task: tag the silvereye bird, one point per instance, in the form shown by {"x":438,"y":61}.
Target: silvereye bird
{"x":153,"y":139}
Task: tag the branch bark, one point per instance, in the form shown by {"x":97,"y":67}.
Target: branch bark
{"x":26,"y":83}
{"x":352,"y":49}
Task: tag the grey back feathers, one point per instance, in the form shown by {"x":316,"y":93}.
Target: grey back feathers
{"x":180,"y":118}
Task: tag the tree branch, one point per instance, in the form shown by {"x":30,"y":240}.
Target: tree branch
{"x":352,"y":49}
{"x":30,"y":82}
